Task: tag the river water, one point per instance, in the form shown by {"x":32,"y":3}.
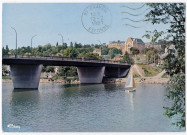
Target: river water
{"x":85,"y":108}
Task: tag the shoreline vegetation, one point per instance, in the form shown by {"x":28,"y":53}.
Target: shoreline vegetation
{"x":142,"y":73}
{"x":146,"y":80}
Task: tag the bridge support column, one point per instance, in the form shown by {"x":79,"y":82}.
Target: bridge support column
{"x":90,"y":74}
{"x":25,"y":76}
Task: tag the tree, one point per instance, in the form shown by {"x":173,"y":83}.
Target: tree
{"x":150,"y":49}
{"x":114,"y":51}
{"x":127,"y":58}
{"x":71,"y":44}
{"x":70,"y":52}
{"x":134,"y":51}
{"x":67,"y":71}
{"x":150,"y":55}
{"x":90,"y":55}
{"x":39,"y":48}
{"x":153,"y":35}
{"x":78,"y":45}
{"x":174,"y":15}
{"x":64,"y":46}
{"x":50,"y":69}
{"x":4,"y":51}
{"x":105,"y":50}
{"x":7,"y":49}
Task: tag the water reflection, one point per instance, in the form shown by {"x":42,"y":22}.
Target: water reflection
{"x":132,"y":94}
{"x":84,"y":90}
{"x":85,"y":108}
{"x":113,"y":87}
{"x":23,"y":101}
{"x":87,"y":90}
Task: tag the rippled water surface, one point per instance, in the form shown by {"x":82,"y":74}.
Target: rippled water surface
{"x":94,"y":107}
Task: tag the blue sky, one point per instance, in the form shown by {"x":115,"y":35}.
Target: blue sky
{"x":47,"y":20}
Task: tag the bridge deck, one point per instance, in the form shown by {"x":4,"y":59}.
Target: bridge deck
{"x":61,"y":61}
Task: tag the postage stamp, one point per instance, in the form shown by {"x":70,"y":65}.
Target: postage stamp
{"x":96,"y":18}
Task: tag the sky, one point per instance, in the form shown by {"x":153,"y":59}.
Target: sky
{"x":47,"y":20}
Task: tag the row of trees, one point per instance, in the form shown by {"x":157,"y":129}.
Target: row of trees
{"x":74,"y":50}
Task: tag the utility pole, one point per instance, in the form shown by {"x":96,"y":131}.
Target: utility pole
{"x":62,"y":38}
{"x":31,"y":42}
{"x":62,"y":42}
{"x":16,"y":41}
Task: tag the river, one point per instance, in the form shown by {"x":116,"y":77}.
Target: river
{"x":85,"y":108}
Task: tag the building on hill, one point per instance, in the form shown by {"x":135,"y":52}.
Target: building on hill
{"x":119,"y":44}
{"x":134,"y":42}
{"x":156,"y":46}
{"x":126,"y":45}
{"x":98,"y":51}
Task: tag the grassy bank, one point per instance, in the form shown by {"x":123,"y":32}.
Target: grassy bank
{"x":150,"y":71}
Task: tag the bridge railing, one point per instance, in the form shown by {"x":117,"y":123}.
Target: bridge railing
{"x":46,"y":57}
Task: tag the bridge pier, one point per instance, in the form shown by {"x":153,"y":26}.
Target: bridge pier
{"x":91,"y":74}
{"x":25,"y":76}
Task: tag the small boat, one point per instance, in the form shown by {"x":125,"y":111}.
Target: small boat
{"x":130,"y":84}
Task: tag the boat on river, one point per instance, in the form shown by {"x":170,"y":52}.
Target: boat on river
{"x":130,"y":84}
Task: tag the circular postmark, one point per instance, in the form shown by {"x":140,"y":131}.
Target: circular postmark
{"x":96,"y":18}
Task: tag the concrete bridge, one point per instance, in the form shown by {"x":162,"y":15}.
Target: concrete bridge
{"x":26,"y":71}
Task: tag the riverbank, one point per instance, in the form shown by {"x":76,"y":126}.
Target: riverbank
{"x":147,"y":80}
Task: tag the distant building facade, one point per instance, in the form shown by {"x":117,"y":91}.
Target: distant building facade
{"x":126,"y":45}
{"x":98,"y":51}
{"x":156,"y":46}
{"x":119,"y":44}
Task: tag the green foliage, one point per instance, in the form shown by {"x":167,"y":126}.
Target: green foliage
{"x":5,"y":51}
{"x":85,"y":50}
{"x":97,"y":46}
{"x":89,"y":55}
{"x":150,"y":71}
{"x":127,"y":58}
{"x":177,"y":95}
{"x":174,"y":15}
{"x":6,"y":77}
{"x":150,"y":48}
{"x":150,"y":55}
{"x":134,"y":51}
{"x":105,"y":50}
{"x":114,"y":52}
{"x":67,"y":71}
{"x":70,"y":52}
{"x":165,"y":75}
{"x":153,"y":35}
{"x":78,"y":45}
{"x":48,"y":69}
{"x":4,"y":68}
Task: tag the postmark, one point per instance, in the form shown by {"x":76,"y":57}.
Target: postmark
{"x":96,"y":18}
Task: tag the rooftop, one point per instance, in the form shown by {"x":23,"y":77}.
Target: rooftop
{"x":138,"y":40}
